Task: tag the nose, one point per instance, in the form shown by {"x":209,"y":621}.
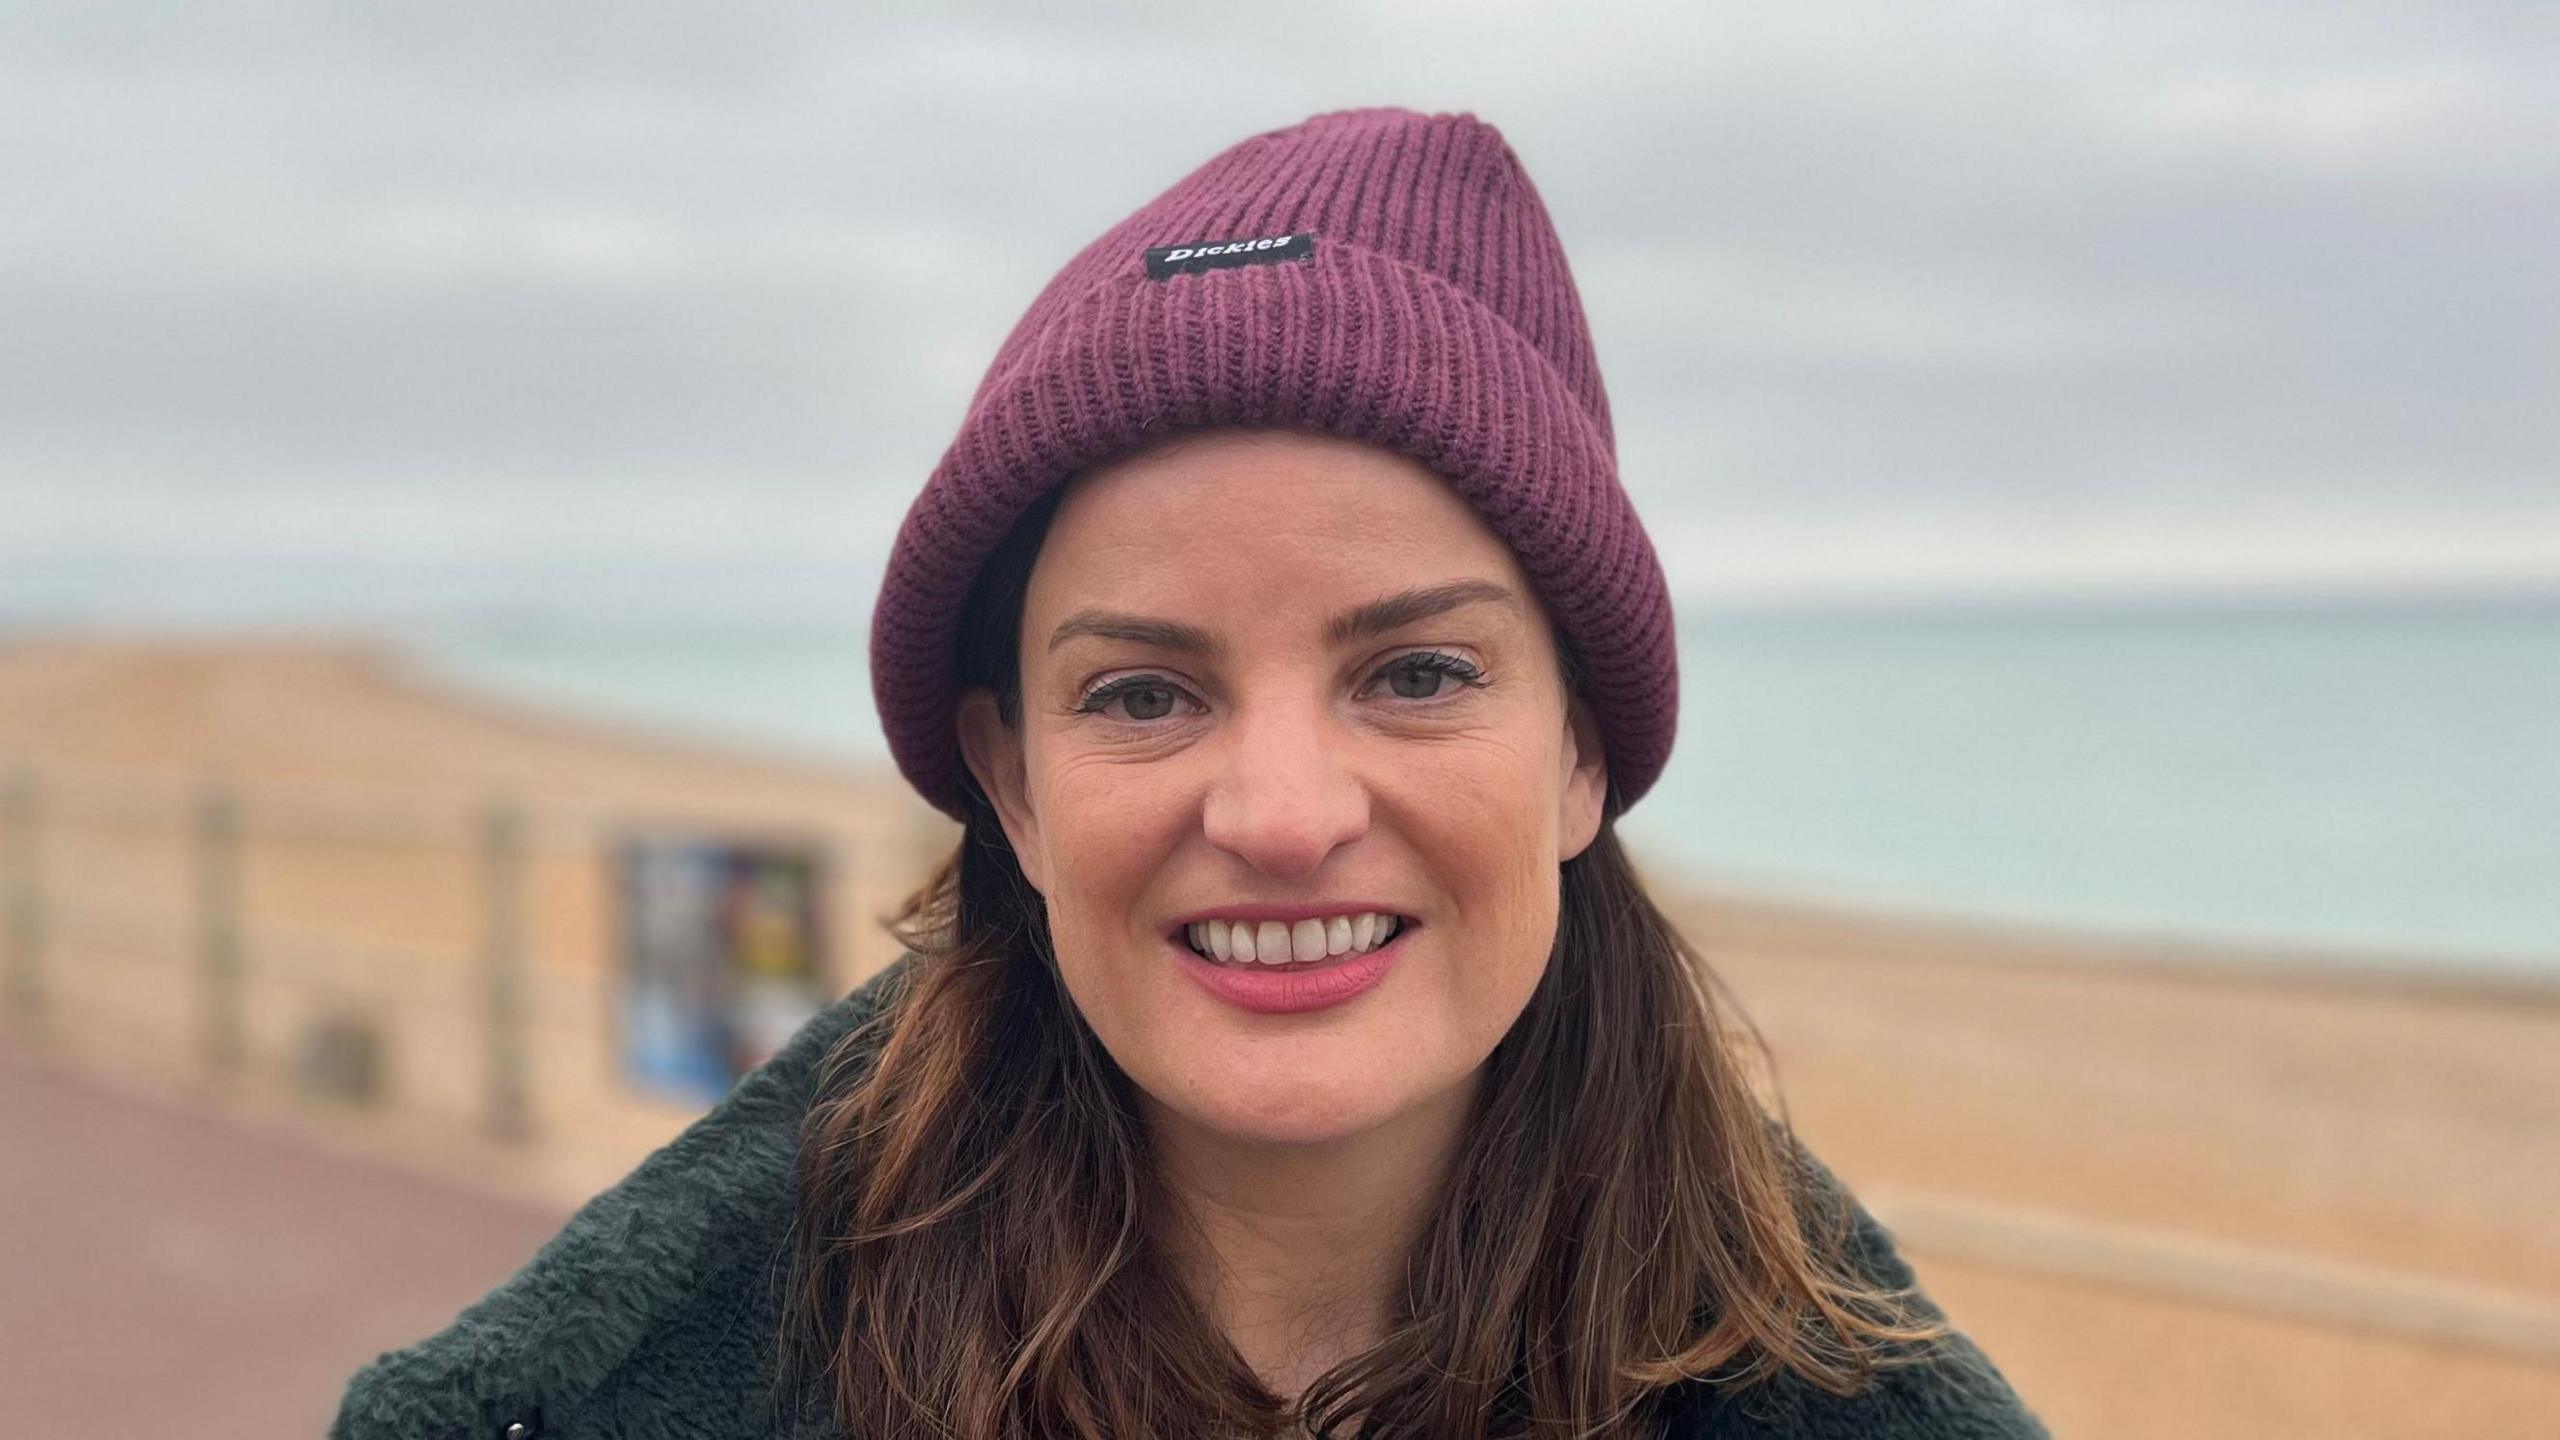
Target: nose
{"x":1285,"y":799}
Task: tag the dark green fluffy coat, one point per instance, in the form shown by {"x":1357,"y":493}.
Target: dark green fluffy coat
{"x":650,"y":1315}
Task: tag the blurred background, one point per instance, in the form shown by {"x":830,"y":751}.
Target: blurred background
{"x":2103,"y":454}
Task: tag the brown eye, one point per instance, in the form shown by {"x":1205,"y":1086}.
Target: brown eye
{"x":1150,"y":698}
{"x":1418,"y":676}
{"x":1415,"y":683}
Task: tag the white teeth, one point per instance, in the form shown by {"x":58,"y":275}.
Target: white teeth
{"x":1275,"y":942}
{"x":1306,"y":940}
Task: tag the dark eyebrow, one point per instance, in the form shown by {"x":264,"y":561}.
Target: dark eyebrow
{"x":1374,"y":618}
{"x":1137,"y":629}
{"x":1397,"y":611}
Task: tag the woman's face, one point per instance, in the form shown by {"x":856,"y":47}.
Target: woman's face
{"x":1269,"y":677}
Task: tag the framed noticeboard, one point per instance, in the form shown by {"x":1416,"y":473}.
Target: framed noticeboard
{"x":723,"y":957}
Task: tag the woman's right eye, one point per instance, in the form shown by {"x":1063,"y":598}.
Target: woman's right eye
{"x":1150,"y":697}
{"x":1149,"y":702}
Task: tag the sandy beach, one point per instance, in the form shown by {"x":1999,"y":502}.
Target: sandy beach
{"x":2171,"y":1192}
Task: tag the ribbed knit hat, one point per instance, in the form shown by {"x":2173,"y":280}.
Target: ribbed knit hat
{"x":1375,"y":273}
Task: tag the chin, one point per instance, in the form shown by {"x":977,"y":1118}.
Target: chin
{"x":1270,"y":1115}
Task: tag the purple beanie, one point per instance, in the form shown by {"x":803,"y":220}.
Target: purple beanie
{"x":1375,"y":273}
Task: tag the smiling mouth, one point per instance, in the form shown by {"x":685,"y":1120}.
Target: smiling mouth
{"x":1246,"y":943}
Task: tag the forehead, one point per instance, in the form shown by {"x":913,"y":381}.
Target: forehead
{"x":1254,"y":514}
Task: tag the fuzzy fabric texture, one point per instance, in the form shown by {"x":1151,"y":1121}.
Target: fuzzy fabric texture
{"x":650,"y":1316}
{"x":1375,"y":273}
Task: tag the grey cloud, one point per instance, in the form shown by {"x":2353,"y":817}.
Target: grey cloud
{"x":2018,"y":262}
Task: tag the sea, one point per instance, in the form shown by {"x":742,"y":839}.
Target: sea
{"x":2350,"y":782}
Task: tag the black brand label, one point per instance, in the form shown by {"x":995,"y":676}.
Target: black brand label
{"x":1164,"y":261}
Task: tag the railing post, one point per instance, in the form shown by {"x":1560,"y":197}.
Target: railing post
{"x":502,"y":846}
{"x":218,"y":946}
{"x":22,"y":881}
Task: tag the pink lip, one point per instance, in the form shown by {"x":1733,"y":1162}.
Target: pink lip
{"x":1285,"y":914}
{"x":1293,"y":989}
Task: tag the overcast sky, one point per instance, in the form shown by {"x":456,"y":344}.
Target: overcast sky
{"x":361,"y":310}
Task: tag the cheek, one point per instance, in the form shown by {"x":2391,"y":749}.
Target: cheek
{"x":1106,"y":845}
{"x":1104,"y":830}
{"x":1485,"y":825}
{"x":1489,"y":808}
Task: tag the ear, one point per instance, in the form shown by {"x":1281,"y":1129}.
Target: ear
{"x":993,"y":751}
{"x":1585,"y":778}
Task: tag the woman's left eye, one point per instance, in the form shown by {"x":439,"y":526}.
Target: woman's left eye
{"x":1426,"y":669}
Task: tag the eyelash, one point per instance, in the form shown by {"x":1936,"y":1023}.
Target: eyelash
{"x":1433,"y":661}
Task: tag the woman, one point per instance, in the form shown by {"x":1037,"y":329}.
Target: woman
{"x":1289,"y":1047}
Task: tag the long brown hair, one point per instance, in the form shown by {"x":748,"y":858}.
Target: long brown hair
{"x":974,"y":1255}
